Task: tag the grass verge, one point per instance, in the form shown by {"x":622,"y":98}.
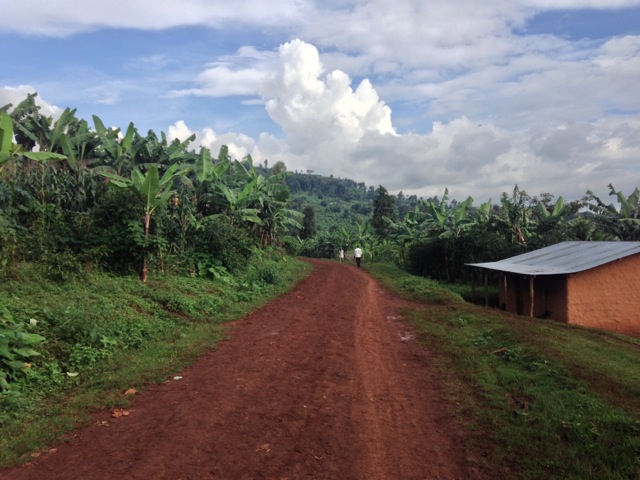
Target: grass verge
{"x":539,"y":399}
{"x":107,"y":334}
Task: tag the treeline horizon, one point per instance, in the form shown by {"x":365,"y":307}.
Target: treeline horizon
{"x":124,"y":201}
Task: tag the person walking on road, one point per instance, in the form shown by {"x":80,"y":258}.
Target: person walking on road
{"x":358,"y":254}
{"x":341,"y":255}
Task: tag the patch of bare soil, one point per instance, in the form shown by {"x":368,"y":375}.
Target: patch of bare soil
{"x":325,"y":382}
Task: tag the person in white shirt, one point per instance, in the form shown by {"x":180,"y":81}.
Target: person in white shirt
{"x":358,"y":254}
{"x":341,"y":255}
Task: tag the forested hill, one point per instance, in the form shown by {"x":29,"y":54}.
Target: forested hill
{"x":344,"y":189}
{"x":440,"y":236}
{"x":339,"y":197}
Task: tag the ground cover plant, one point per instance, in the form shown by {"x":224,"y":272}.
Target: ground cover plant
{"x":86,"y":342}
{"x":540,"y":399}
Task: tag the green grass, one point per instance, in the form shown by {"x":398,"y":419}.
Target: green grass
{"x":476,"y":295}
{"x":107,"y":334}
{"x":539,"y":399}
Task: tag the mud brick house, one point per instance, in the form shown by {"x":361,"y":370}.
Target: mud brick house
{"x":593,"y":284}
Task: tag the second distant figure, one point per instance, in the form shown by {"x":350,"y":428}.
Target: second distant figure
{"x":358,"y":254}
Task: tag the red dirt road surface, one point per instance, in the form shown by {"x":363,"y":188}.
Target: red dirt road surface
{"x":323,"y":383}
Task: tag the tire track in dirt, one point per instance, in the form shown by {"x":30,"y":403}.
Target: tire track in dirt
{"x":404,"y":421}
{"x":322,"y":383}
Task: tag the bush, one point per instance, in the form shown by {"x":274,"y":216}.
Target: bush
{"x":291,"y":245}
{"x":16,"y":347}
{"x":225,"y":241}
{"x":111,"y":232}
{"x":62,"y":267}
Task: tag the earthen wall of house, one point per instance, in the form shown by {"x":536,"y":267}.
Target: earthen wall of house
{"x":606,"y":297}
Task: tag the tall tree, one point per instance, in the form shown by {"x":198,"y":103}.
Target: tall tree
{"x":308,"y":222}
{"x":278,"y":167}
{"x":384,"y":210}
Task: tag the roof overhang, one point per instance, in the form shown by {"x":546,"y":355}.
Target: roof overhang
{"x":564,"y":258}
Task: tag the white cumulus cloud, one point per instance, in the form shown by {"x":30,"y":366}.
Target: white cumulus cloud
{"x":36,"y":17}
{"x":331,"y":128}
{"x":315,"y":108}
{"x":15,"y":95}
{"x":479,"y":104}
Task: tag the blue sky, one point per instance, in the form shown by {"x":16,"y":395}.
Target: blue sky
{"x":416,"y":96}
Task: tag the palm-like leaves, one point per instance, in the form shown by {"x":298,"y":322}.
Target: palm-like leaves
{"x":46,"y":192}
{"x":152,"y":190}
{"x":9,"y":150}
{"x":516,"y":216}
{"x":623,"y":224}
{"x":448,"y":221}
{"x":116,"y":151}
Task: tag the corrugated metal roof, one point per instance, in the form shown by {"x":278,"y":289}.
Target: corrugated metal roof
{"x":564,"y":258}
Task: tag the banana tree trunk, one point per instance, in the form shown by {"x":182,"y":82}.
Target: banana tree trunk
{"x":144,"y":272}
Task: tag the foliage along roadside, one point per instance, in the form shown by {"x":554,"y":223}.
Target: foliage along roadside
{"x":57,"y":204}
{"x":436,"y":237}
{"x":538,"y":399}
{"x":123,"y":202}
{"x":75,"y":200}
{"x":108,"y":333}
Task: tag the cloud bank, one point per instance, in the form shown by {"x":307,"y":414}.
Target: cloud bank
{"x":413,"y":95}
{"x":331,"y":127}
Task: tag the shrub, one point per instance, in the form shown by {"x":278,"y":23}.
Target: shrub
{"x":16,"y":347}
{"x":62,"y":267}
{"x":224,"y":240}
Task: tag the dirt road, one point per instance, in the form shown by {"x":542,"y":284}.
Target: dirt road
{"x":323,"y":383}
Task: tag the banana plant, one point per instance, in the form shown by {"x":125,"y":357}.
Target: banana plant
{"x":559,"y":210}
{"x":516,"y":216}
{"x":30,"y":127}
{"x":364,"y":238}
{"x":623,"y":224}
{"x":33,"y":129}
{"x":238,"y":203}
{"x":446,"y":221}
{"x":272,"y":200}
{"x":259,"y":201}
{"x":406,"y":232}
{"x":6,"y":139}
{"x":206,"y":170}
{"x":161,"y":152}
{"x":345,"y":237}
{"x":153,"y":191}
{"x":279,"y":219}
{"x":9,"y":150}
{"x":445,"y":225}
{"x":116,"y":151}
{"x":629,"y":206}
{"x":208,"y":179}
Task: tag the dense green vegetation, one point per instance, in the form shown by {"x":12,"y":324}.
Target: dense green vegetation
{"x":436,"y":237}
{"x":100,"y":198}
{"x":83,"y":211}
{"x":104,"y":334}
{"x":538,"y":399}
